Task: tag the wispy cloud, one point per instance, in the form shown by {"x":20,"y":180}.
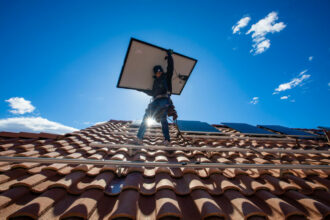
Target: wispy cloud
{"x":254,"y":100}
{"x":302,"y":72}
{"x":20,"y":105}
{"x":285,"y":97}
{"x":260,"y":47}
{"x":310,"y":58}
{"x":30,"y":124}
{"x":293,"y":83}
{"x":240,"y":24}
{"x":329,"y":84}
{"x":260,"y":29}
{"x":33,"y":124}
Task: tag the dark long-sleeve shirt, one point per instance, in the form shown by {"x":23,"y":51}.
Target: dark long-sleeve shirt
{"x":163,"y":84}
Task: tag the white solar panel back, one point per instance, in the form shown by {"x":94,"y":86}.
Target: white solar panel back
{"x":141,"y":57}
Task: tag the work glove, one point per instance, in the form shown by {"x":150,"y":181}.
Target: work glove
{"x":169,"y":53}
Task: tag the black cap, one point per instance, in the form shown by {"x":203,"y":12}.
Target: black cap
{"x":158,"y":68}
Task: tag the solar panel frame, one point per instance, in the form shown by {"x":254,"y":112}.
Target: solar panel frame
{"x":197,"y":127}
{"x":287,"y":131}
{"x":248,"y":129}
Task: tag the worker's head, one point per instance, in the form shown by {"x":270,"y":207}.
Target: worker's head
{"x":158,"y":71}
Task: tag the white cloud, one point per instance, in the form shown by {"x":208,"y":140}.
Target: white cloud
{"x":255,"y":100}
{"x":293,"y":83}
{"x":302,"y":72}
{"x":261,"y":47}
{"x":260,"y":29}
{"x":310,"y":58}
{"x":285,"y":97}
{"x":240,"y":24}
{"x":328,"y":83}
{"x":34,"y":125}
{"x":20,"y":105}
{"x":266,"y":25}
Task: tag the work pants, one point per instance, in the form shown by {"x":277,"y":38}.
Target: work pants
{"x":158,"y":111}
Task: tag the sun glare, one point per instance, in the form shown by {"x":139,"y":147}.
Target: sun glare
{"x":150,"y":122}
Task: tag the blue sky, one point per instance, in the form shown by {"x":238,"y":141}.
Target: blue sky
{"x":65,"y":58}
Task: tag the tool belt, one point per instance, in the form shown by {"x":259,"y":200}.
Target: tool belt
{"x":171,"y":112}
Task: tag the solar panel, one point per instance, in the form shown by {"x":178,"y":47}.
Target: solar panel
{"x":325,"y":128}
{"x":318,"y":132}
{"x":247,"y":129}
{"x":326,"y":132}
{"x":287,"y":131}
{"x":141,"y":57}
{"x":196,"y":126}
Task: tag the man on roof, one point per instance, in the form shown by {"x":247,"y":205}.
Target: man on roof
{"x":161,"y":104}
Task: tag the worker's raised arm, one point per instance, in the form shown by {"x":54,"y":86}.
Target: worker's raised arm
{"x":170,"y":69}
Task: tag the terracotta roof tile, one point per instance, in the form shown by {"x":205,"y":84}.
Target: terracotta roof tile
{"x":35,"y":179}
{"x":29,"y":135}
{"x":12,"y":195}
{"x":206,"y":206}
{"x":70,"y":179}
{"x":40,"y":204}
{"x":244,"y":206}
{"x":126,"y":205}
{"x":275,"y":207}
{"x":55,"y":191}
{"x":167,"y":204}
{"x":315,"y":209}
{"x":84,"y":206}
{"x":11,"y":175}
{"x":18,"y":204}
{"x":66,"y":169}
{"x":60,"y":207}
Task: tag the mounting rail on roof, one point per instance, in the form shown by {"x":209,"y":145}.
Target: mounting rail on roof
{"x":208,"y":149}
{"x":219,"y":136}
{"x":197,"y":165}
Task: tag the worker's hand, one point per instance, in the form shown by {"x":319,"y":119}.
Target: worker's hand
{"x":169,"y":51}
